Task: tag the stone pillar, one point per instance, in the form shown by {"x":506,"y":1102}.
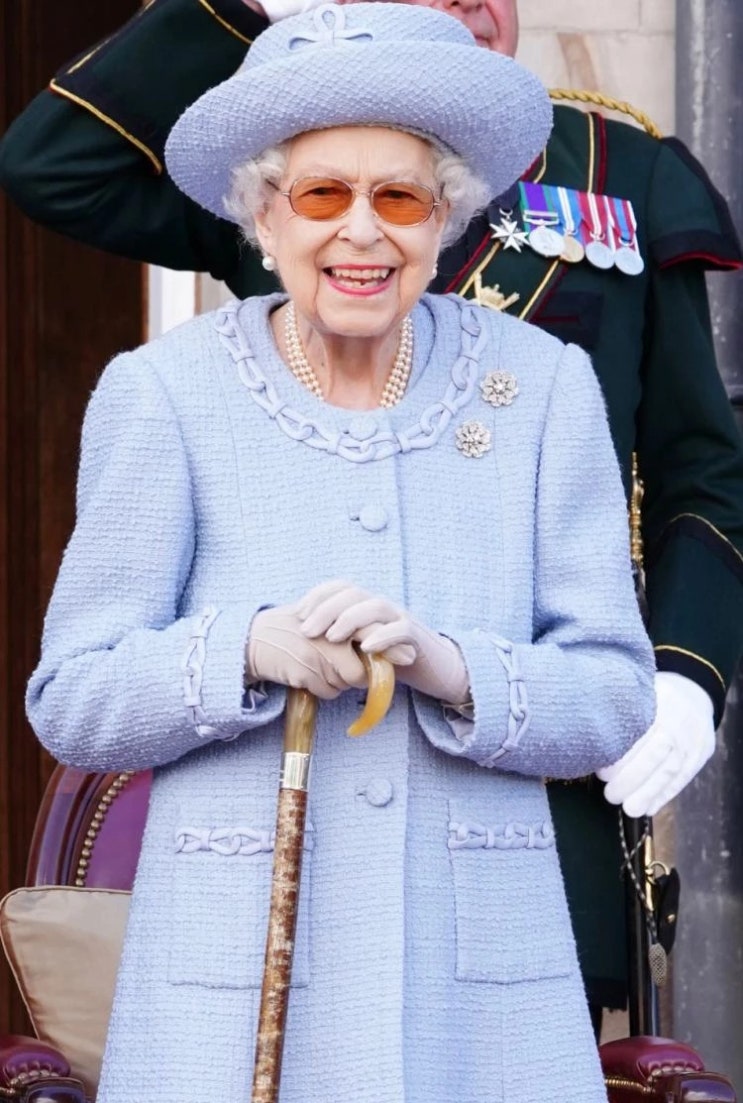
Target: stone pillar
{"x":708,"y":958}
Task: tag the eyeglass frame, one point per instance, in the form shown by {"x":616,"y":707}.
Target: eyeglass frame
{"x":355,"y":192}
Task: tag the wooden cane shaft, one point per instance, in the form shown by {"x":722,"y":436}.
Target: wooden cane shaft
{"x":282,"y":924}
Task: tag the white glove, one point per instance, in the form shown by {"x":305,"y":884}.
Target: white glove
{"x":427,"y":661}
{"x":275,"y":10}
{"x":669,"y":754}
{"x":279,"y":651}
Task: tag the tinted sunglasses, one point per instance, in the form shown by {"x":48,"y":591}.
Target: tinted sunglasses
{"x":322,"y":198}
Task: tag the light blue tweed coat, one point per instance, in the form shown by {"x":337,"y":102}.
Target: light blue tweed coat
{"x":435,"y":962}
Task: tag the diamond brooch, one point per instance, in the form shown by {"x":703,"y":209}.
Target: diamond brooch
{"x":473,"y":439}
{"x":499,"y":388}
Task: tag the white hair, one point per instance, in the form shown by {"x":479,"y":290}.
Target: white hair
{"x":251,"y":188}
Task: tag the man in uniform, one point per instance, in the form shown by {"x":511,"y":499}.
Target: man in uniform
{"x":86,"y":158}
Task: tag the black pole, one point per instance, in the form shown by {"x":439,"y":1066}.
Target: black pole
{"x":708,"y":956}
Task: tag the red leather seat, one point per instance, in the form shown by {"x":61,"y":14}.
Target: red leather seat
{"x":89,"y":829}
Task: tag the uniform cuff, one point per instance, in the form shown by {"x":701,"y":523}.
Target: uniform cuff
{"x":694,"y":585}
{"x":141,"y":79}
{"x":675,"y":660}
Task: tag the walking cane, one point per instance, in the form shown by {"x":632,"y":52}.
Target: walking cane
{"x":299,"y":732}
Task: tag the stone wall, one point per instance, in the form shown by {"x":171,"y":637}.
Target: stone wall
{"x":623,"y":48}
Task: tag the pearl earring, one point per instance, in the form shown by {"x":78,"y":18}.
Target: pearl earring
{"x":269,"y":263}
{"x":435,"y":272}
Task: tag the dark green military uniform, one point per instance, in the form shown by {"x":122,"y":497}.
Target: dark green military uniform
{"x":649,"y":337}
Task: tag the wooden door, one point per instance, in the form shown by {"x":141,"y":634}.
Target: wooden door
{"x":64,"y":311}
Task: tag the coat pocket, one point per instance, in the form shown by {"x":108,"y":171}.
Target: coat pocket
{"x":221,"y":890}
{"x":512,"y":921}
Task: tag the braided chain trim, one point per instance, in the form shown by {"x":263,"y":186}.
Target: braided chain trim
{"x":501,"y":836}
{"x":229,"y":841}
{"x":518,"y":701}
{"x":424,"y":433}
{"x":193,"y":674}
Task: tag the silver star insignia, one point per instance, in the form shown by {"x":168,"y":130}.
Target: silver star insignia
{"x":507,"y":231}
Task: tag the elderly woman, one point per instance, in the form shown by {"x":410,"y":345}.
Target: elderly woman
{"x":353,"y":460}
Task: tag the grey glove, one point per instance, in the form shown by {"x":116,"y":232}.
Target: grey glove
{"x":425,"y":660}
{"x":279,"y":651}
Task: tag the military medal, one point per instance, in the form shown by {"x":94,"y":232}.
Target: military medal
{"x":545,"y":237}
{"x":546,"y":241}
{"x":598,"y":252}
{"x":626,"y":249}
{"x":572,"y":250}
{"x":509,"y":233}
{"x":629,"y":261}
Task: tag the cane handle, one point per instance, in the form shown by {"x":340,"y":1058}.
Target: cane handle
{"x":299,"y":725}
{"x":380,"y":675}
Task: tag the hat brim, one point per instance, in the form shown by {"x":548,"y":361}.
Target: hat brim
{"x":487,"y":108}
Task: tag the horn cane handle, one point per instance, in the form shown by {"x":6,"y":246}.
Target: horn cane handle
{"x":380,"y":674}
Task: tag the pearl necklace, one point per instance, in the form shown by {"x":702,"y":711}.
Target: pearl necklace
{"x":301,"y":368}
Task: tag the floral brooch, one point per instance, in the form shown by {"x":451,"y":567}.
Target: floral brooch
{"x":473,"y":439}
{"x":499,"y":388}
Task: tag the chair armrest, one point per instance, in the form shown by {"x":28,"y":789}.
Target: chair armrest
{"x":659,"y":1070}
{"x":33,"y":1072}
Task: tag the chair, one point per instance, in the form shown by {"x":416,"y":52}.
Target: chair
{"x":88,"y":834}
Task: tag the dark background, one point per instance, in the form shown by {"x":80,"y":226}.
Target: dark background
{"x":64,"y":311}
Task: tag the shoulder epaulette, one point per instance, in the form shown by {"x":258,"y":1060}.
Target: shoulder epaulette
{"x":597,"y":99}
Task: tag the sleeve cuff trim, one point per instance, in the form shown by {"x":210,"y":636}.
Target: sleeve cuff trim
{"x":709,"y":260}
{"x":54,"y":87}
{"x":193,"y":674}
{"x":678,"y":660}
{"x":697,"y":658}
{"x":720,"y":535}
{"x":519,"y":717}
{"x":225,"y":24}
{"x":86,"y":57}
{"x":715,"y":250}
{"x":699,"y":528}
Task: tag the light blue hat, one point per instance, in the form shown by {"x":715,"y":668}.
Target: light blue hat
{"x":398,"y":65}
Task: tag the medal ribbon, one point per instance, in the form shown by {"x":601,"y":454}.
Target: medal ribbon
{"x":570,"y":208}
{"x":592,"y":214}
{"x":623,"y":234}
{"x":628,"y":258}
{"x":535,"y":207}
{"x":614,"y":221}
{"x":627,"y":222}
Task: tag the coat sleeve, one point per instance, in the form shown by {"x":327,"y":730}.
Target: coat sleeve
{"x":85,"y":158}
{"x":577,"y":695}
{"x":689,"y":446}
{"x":126,"y":681}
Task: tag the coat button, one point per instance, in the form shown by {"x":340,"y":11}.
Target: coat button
{"x":362,"y":427}
{"x":378,"y":791}
{"x":373,"y":518}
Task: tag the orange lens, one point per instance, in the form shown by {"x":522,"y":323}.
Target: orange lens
{"x":403,"y":204}
{"x":320,"y":198}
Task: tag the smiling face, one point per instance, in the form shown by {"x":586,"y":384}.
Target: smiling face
{"x":355,"y":275}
